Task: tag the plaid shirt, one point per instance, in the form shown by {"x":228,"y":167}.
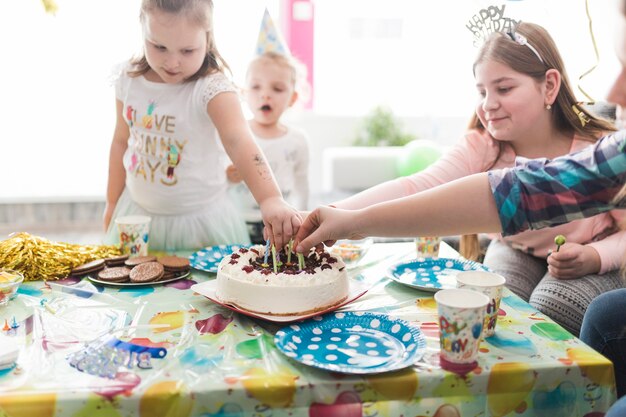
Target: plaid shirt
{"x":540,"y":193}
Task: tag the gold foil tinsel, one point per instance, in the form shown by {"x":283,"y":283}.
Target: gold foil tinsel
{"x":40,"y":259}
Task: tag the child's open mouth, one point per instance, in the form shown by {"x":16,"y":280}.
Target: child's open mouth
{"x":266,"y":107}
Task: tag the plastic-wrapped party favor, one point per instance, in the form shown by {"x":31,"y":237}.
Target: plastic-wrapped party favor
{"x":105,"y":356}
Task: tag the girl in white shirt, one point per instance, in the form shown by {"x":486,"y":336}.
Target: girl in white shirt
{"x":177,"y":117}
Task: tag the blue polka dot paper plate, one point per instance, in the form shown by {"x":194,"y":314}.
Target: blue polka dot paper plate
{"x":353,"y":342}
{"x":209,"y":258}
{"x":432,"y":274}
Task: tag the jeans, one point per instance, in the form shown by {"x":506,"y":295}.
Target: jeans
{"x":604,"y":329}
{"x":618,"y":409}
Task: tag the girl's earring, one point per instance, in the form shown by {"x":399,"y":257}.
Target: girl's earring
{"x":548,"y":107}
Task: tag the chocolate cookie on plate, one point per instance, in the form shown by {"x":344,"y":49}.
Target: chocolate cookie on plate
{"x":137,"y":260}
{"x":146,"y":272}
{"x":87,"y":268}
{"x":116,"y":260}
{"x":174,"y":263}
{"x":114,"y":274}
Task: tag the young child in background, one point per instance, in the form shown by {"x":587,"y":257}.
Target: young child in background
{"x":176,"y":115}
{"x":527,"y":108}
{"x":271,"y":88}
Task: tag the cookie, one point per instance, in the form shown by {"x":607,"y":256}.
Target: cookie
{"x":87,"y":268}
{"x":174,"y":263}
{"x":114,"y":274}
{"x":146,"y":272}
{"x":137,"y":260}
{"x":116,"y":260}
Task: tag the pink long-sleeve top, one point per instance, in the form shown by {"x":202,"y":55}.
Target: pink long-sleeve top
{"x":478,"y":152}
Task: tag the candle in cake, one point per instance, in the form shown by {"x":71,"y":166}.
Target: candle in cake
{"x":300,"y":261}
{"x":289,"y":249}
{"x":274,"y":259}
{"x":267,"y":251}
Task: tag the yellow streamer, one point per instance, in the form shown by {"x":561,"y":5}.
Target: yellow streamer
{"x":50,"y":6}
{"x":38,"y":258}
{"x":595,"y":50}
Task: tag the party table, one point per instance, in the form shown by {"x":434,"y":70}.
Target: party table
{"x":222,"y":363}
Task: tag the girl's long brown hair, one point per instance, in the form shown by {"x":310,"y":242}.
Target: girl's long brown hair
{"x":199,"y":11}
{"x":565,"y":111}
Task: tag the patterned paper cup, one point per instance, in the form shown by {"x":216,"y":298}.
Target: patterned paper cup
{"x":461,"y":317}
{"x":491,"y":285}
{"x":427,"y":246}
{"x":134,"y":233}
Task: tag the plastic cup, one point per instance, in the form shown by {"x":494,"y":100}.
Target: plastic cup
{"x":9,"y":283}
{"x":427,"y":246}
{"x":461,"y":317}
{"x":134,"y":232}
{"x":490,"y":284}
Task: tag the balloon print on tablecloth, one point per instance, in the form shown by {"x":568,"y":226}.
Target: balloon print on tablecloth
{"x":563,"y":398}
{"x":518,"y":304}
{"x":512,"y":342}
{"x":97,"y":407}
{"x":174,"y":320}
{"x":227,"y":410}
{"x":137,"y":291}
{"x":347,"y":404}
{"x":257,"y":381}
{"x":426,"y":304}
{"x":24,"y":405}
{"x":447,"y":410}
{"x":255,"y":348}
{"x":202,"y":358}
{"x":166,"y":399}
{"x":453,"y":385}
{"x":214,"y":324}
{"x":29,"y":289}
{"x":399,"y":385}
{"x":551,"y":331}
{"x":587,"y":361}
{"x":508,"y":386}
{"x":124,"y":383}
{"x":183,"y":284}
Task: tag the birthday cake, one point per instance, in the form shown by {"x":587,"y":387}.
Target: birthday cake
{"x":247,"y":279}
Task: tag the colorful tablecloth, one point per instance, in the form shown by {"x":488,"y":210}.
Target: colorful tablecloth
{"x":221,"y":363}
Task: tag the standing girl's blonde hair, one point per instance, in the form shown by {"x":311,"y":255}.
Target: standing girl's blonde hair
{"x":198,"y":11}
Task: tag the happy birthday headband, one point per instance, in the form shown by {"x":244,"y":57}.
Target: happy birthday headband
{"x":492,"y":19}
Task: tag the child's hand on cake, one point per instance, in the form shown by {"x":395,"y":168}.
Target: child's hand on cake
{"x":326,"y":224}
{"x":573,"y":260}
{"x":281,"y":221}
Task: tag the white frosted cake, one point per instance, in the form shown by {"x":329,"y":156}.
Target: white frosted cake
{"x":246,"y":281}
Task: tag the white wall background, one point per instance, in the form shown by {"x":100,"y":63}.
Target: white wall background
{"x":57,"y":105}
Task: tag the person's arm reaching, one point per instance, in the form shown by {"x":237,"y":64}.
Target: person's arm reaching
{"x":117,"y":173}
{"x":462,"y":206}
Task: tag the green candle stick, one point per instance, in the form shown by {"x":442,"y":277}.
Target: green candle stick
{"x":558,"y":241}
{"x":289,"y":248}
{"x":300,"y":261}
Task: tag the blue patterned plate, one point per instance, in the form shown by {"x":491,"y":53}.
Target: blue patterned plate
{"x":353,"y":342}
{"x":432,"y":274}
{"x":209,"y":258}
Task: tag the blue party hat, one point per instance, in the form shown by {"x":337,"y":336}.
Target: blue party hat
{"x":270,"y":39}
